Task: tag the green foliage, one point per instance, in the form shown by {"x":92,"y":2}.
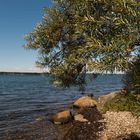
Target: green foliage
{"x":96,"y":35}
{"x":132,"y":78}
{"x":124,"y":103}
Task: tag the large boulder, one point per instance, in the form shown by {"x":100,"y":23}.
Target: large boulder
{"x":62,"y":117}
{"x":85,"y":101}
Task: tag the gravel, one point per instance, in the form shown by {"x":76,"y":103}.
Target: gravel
{"x":120,"y":125}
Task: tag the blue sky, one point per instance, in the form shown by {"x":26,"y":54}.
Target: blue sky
{"x":17,"y":18}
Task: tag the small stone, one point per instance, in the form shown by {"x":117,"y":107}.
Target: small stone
{"x":57,"y":123}
{"x":80,"y":118}
{"x":39,"y":118}
{"x":89,"y":122}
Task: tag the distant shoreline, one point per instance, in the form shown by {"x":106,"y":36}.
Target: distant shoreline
{"x":23,"y":73}
{"x":39,"y":73}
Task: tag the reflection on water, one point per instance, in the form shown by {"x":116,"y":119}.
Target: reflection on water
{"x":23,"y":98}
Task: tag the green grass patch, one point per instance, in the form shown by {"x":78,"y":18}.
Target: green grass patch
{"x":124,"y":103}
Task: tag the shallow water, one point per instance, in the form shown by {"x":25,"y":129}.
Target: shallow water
{"x":23,"y":98}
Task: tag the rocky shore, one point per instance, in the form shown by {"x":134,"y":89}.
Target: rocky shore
{"x":83,"y":121}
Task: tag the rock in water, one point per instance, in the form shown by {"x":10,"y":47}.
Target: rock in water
{"x":62,"y":117}
{"x":85,"y":101}
{"x":57,"y":83}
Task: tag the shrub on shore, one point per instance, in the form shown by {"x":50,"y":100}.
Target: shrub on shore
{"x":132,"y":78}
{"x":128,"y":102}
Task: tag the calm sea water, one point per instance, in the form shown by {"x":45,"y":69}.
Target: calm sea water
{"x":23,"y":98}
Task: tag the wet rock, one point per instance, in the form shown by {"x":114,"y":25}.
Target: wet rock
{"x":80,"y":118}
{"x":40,"y":118}
{"x":62,"y":117}
{"x":57,"y":83}
{"x":85,"y":101}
